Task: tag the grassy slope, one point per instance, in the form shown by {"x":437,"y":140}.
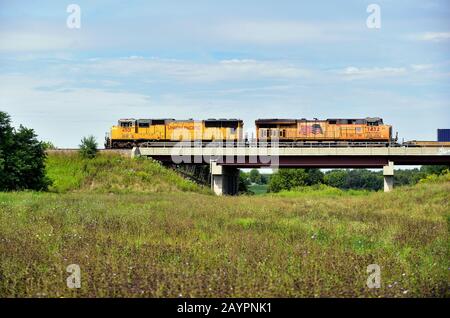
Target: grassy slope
{"x":113,"y":173}
{"x":170,"y":244}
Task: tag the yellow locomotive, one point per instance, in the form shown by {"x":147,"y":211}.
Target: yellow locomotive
{"x":134,"y":132}
{"x":370,"y":129}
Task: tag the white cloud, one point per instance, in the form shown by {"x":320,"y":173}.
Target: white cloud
{"x":421,"y":67}
{"x":355,"y":72}
{"x":42,"y":39}
{"x":279,"y":32}
{"x":433,"y":36}
{"x":66,"y":114}
{"x":225,"y":70}
{"x":414,"y":72}
{"x":33,"y":95}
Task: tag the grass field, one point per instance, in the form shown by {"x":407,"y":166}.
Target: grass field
{"x":138,"y":230}
{"x":258,"y":189}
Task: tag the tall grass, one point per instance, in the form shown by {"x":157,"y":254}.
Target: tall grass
{"x":148,"y":243}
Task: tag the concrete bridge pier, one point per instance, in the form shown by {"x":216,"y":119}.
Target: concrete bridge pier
{"x":388,"y":173}
{"x":135,"y":152}
{"x":224,"y":180}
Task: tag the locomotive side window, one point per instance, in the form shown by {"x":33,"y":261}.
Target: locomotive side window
{"x":126,"y":124}
{"x":264,"y":132}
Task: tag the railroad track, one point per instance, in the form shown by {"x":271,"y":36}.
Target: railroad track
{"x":247,"y":144}
{"x":124,"y":151}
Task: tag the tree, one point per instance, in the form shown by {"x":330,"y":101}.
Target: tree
{"x":48,"y":145}
{"x":6,"y":147}
{"x":88,"y":147}
{"x":255,"y":176}
{"x":244,"y":182}
{"x":287,"y":179}
{"x":336,"y":178}
{"x":354,"y":179}
{"x":265,"y":178}
{"x":22,"y":158}
{"x":438,"y":170}
{"x":315,"y":176}
{"x":408,"y":176}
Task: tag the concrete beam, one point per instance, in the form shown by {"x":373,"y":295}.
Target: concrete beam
{"x":215,"y":168}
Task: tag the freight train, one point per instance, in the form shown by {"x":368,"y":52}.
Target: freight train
{"x":298,"y":132}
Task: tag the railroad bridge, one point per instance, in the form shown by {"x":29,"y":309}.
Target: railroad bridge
{"x":225,"y":161}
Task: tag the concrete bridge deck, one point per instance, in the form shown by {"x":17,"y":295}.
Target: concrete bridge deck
{"x":248,"y":157}
{"x":224,"y":161}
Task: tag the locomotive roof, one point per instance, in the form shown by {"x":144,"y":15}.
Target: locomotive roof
{"x":149,"y":120}
{"x":276,"y":120}
{"x":367,"y":118}
{"x":224,"y":119}
{"x":293,"y":121}
{"x":144,"y":119}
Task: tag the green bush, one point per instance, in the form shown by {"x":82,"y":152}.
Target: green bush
{"x":435,"y":178}
{"x":88,"y":147}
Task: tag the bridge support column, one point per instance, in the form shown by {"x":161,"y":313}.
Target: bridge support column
{"x":224,"y":180}
{"x":388,"y":173}
{"x":135,"y":152}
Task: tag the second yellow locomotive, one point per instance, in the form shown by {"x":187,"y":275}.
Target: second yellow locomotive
{"x":134,"y":132}
{"x":369,"y":129}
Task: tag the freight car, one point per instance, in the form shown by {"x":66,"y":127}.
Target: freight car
{"x":330,"y":131}
{"x":443,"y":135}
{"x":135,"y":132}
{"x":426,"y":143}
{"x":443,"y":140}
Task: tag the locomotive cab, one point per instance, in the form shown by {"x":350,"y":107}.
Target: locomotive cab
{"x":374,"y":121}
{"x":127,"y":125}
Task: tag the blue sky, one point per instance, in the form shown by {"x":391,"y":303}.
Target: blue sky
{"x":227,"y":59}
